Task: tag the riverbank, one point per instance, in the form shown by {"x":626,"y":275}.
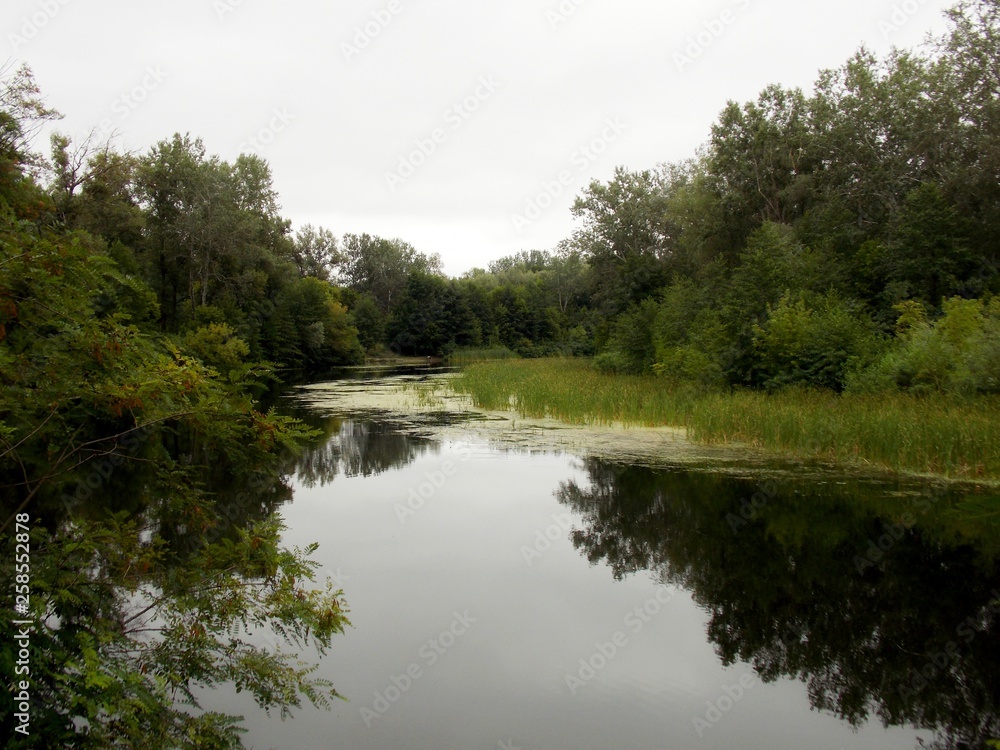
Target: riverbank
{"x":932,"y":435}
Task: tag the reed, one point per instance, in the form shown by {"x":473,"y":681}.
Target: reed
{"x":941,"y":435}
{"x":466,"y":356}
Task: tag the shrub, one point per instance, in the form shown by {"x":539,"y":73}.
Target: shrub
{"x":631,"y":347}
{"x":814,"y":342}
{"x":218,"y":346}
{"x":958,"y":353}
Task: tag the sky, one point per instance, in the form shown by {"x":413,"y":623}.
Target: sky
{"x":464,"y":127}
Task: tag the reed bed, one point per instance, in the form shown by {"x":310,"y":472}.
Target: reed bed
{"x":466,"y":356}
{"x":939,"y":434}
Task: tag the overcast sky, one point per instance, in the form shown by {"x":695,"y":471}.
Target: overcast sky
{"x":465,"y":127}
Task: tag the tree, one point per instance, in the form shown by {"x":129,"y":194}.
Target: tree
{"x":378,"y":267}
{"x":871,"y":130}
{"x":971,"y":81}
{"x":107,"y":205}
{"x":430,"y":316}
{"x":814,"y":341}
{"x":22,"y":114}
{"x":625,"y":238}
{"x":166,"y":187}
{"x":315,"y":252}
{"x":370,"y":322}
{"x":928,"y":256}
{"x":138,"y":608}
{"x":760,"y":160}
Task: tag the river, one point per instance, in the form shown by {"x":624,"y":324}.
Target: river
{"x":514,"y":585}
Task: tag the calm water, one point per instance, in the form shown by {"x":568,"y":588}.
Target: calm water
{"x":505,"y":599}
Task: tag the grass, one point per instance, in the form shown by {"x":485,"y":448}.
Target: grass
{"x":941,"y":435}
{"x":469,"y":355}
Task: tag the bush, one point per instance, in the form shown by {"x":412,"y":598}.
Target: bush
{"x":958,"y":353}
{"x":631,"y":347}
{"x":815,"y":342}
{"x":218,"y":346}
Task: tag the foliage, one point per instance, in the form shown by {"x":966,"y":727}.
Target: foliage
{"x":467,"y":355}
{"x":117,"y":443}
{"x":126,"y":639}
{"x":218,"y":346}
{"x":959,"y":353}
{"x":819,"y":342}
{"x":631,"y":346}
{"x":369,"y":321}
{"x":953,"y":437}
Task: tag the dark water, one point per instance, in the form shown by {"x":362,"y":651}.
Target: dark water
{"x":508,"y":599}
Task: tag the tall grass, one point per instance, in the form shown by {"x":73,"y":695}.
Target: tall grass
{"x":469,"y":355}
{"x":928,"y":434}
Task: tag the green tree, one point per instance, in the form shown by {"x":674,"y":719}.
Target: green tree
{"x":625,"y":238}
{"x":131,"y":624}
{"x":818,"y":341}
{"x":22,"y":114}
{"x":379,"y":267}
{"x":761,"y":160}
{"x":928,"y":256}
{"x":316,"y":252}
{"x":370,"y":322}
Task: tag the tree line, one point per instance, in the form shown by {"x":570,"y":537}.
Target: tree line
{"x":841,"y":238}
{"x":844,"y":239}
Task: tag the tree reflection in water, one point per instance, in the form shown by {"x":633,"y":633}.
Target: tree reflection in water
{"x":912,"y":638}
{"x":357,"y":448}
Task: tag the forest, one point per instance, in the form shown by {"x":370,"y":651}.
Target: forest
{"x":843,"y":240}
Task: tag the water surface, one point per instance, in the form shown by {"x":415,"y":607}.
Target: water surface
{"x":505,"y":596}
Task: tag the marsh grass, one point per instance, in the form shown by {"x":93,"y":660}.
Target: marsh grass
{"x":943,"y":435}
{"x":469,"y":355}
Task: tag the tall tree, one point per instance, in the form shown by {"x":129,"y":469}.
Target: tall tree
{"x":626,"y":237}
